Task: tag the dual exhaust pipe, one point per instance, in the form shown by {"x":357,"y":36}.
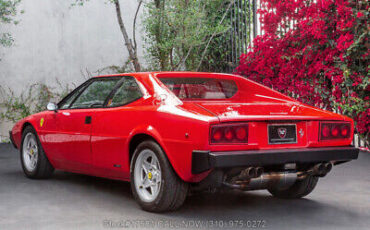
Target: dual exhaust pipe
{"x":321,"y":169}
{"x":249,"y":173}
{"x":253,"y":178}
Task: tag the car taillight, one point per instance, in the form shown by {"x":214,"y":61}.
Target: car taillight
{"x":229,"y":133}
{"x":334,"y":130}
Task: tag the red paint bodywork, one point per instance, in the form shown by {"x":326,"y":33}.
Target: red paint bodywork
{"x":96,"y":149}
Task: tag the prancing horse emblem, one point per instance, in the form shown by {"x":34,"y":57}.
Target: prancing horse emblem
{"x":282,"y":132}
{"x":301,"y":132}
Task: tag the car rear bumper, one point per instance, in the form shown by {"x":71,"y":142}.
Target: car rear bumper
{"x":205,"y":160}
{"x":12,"y":139}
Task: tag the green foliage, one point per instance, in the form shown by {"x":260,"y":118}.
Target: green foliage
{"x":8,"y":10}
{"x":177,"y":33}
{"x":355,"y":88}
{"x":186,"y":34}
{"x":6,"y":39}
{"x":32,"y":100}
{"x":16,"y":108}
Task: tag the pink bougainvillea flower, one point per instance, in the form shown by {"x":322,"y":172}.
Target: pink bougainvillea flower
{"x":317,"y":60}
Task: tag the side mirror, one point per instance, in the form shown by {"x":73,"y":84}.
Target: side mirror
{"x":52,"y":107}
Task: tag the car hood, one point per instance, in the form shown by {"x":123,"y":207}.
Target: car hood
{"x":230,"y":111}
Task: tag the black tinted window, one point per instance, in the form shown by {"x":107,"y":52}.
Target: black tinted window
{"x":95,"y":94}
{"x":128,"y":91}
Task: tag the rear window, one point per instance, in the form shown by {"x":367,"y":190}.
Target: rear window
{"x":201,"y":88}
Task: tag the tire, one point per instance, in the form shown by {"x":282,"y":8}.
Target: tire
{"x":39,"y":167}
{"x":168,"y":190}
{"x":298,"y":190}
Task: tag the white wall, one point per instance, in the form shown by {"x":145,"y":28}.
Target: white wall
{"x":54,"y":40}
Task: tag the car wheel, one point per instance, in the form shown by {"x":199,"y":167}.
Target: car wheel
{"x":154,"y":184}
{"x":34,"y":161}
{"x":299,"y":189}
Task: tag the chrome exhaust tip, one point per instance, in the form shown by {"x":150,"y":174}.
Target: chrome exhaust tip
{"x":322,"y":169}
{"x":252,"y":172}
{"x":259,"y":171}
{"x":247,"y":173}
{"x":319,"y":169}
{"x":328,"y":167}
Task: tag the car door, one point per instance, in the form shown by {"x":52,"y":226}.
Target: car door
{"x":111,"y":128}
{"x":53,"y":140}
{"x":74,"y":123}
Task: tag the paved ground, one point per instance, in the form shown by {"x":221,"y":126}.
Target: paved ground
{"x":70,"y":201}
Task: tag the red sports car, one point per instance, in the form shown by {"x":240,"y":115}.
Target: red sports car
{"x":169,"y":132}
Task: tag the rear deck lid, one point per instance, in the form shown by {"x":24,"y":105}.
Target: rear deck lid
{"x":229,"y":111}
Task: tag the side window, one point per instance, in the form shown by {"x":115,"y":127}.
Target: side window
{"x":128,"y":92}
{"x":95,"y":94}
{"x":65,"y":103}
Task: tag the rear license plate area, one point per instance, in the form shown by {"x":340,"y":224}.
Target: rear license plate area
{"x":282,"y":133}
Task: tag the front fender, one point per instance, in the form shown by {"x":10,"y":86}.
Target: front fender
{"x":19,"y":126}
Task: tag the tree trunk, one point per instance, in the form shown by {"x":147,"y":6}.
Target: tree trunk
{"x":131,"y":49}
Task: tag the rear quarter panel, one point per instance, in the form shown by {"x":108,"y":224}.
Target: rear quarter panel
{"x":181,"y":133}
{"x":177,"y":131}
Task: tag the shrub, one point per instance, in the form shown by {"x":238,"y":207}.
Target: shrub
{"x":317,"y":52}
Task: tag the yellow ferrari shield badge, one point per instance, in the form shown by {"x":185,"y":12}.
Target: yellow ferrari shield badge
{"x":41,"y":122}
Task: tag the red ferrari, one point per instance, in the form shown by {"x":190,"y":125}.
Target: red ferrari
{"x":171,"y":132}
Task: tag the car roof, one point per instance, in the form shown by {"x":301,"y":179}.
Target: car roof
{"x":174,"y":74}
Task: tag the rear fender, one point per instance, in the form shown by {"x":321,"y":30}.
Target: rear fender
{"x":152,"y":132}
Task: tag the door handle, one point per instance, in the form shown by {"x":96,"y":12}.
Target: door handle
{"x":88,"y":120}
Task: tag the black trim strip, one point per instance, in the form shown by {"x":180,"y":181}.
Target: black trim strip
{"x":205,"y":160}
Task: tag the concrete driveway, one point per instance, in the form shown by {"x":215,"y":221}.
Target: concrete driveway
{"x":69,"y":201}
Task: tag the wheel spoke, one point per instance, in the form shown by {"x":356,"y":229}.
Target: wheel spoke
{"x":154,"y":163}
{"x":32,"y":143}
{"x":33,"y":161}
{"x":158,"y":176}
{"x":153,"y":188}
{"x":146,"y":166}
{"x":146,"y":183}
